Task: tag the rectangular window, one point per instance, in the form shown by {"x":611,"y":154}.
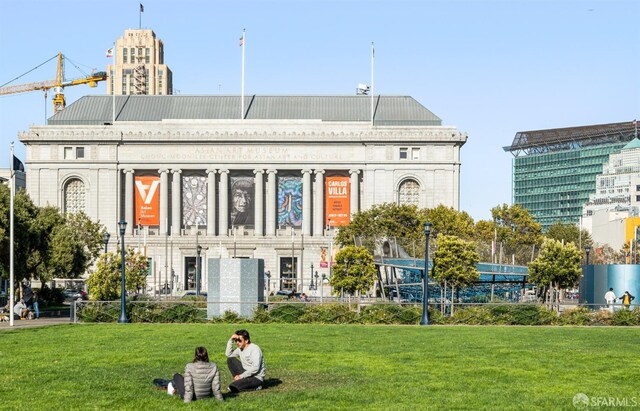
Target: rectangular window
{"x":404,"y":153}
{"x":415,"y":153}
{"x":79,"y":152}
{"x":68,"y":153}
{"x":124,"y":55}
{"x":147,"y":55}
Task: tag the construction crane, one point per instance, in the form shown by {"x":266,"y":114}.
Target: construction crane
{"x":57,"y":85}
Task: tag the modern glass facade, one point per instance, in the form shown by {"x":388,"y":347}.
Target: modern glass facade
{"x":555,"y":170}
{"x":555,"y":186}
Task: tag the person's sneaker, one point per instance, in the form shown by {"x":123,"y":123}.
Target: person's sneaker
{"x":259,"y":388}
{"x":233,"y":389}
{"x":170,"y":389}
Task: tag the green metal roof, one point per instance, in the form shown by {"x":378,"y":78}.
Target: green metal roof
{"x":389,"y":110}
{"x":635,"y":143}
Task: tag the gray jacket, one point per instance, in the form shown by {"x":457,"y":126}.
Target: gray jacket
{"x":201,"y":380}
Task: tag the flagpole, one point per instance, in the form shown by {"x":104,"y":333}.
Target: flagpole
{"x":372,"y":59}
{"x":11,"y":234}
{"x":242,"y":85}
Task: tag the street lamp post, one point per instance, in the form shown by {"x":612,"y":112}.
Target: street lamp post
{"x":123,"y":300}
{"x":198,"y":270}
{"x":587,"y":250}
{"x":317,"y":283}
{"x":311,"y":284}
{"x":425,"y":278}
{"x":106,"y":240}
{"x":324,"y":276}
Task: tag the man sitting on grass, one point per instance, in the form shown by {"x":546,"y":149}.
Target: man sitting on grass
{"x":245,"y":363}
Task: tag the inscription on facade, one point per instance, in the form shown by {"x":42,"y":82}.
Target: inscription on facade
{"x":237,"y":153}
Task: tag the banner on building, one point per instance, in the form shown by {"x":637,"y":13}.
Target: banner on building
{"x":290,"y":201}
{"x":194,"y":200}
{"x":337,"y":196}
{"x":147,"y":202}
{"x":241,"y":199}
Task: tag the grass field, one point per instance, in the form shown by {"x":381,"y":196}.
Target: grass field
{"x":324,"y":367}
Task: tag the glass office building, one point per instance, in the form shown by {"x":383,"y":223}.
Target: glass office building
{"x":555,"y":170}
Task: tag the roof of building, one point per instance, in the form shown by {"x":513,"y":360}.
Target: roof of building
{"x":635,"y":143}
{"x":389,"y":110}
{"x":559,"y":139}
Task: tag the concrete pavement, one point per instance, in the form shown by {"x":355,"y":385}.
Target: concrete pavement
{"x":41,"y":322}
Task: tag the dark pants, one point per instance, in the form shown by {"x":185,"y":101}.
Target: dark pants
{"x":178,"y":384}
{"x":244,"y":384}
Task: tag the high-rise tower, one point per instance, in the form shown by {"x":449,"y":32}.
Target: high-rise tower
{"x":139,"y":65}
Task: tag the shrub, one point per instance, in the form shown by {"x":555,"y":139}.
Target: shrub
{"x":261,"y":315}
{"x":286,"y":313}
{"x":576,"y":316}
{"x":626,"y":317}
{"x":98,"y":313}
{"x":473,"y":316}
{"x":48,"y":297}
{"x":390,"y":314}
{"x":328,"y":314}
{"x":522,"y":314}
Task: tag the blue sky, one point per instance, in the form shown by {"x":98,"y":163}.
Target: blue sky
{"x":490,"y":68}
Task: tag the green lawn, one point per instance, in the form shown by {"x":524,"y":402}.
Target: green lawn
{"x":324,"y":367}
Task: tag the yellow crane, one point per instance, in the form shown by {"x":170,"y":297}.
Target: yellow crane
{"x":57,"y":85}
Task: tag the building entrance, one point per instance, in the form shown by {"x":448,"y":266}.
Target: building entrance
{"x":288,"y":273}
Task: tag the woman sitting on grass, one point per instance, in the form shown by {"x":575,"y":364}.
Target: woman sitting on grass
{"x":201,"y":379}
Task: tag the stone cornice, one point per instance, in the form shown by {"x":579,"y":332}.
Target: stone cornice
{"x":159,"y":133}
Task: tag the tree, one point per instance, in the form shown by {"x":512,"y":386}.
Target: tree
{"x":354,"y":271}
{"x":47,"y":244}
{"x":557,"y":267}
{"x":448,"y":221}
{"x":517,"y":232}
{"x":105,"y":283}
{"x":454,"y":262}
{"x":405,"y":223}
{"x":569,"y":233}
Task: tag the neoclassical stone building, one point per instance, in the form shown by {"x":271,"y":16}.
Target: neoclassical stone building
{"x":274,"y":183}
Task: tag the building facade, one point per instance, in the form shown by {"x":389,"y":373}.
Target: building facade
{"x":186,"y":172}
{"x":139,"y":65}
{"x":555,"y":170}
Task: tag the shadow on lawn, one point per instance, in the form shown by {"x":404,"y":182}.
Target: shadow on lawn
{"x":268,"y":383}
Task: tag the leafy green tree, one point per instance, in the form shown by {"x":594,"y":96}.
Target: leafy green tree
{"x":557,"y":267}
{"x":569,"y":233}
{"x":448,"y":221}
{"x":105,"y":283}
{"x":405,"y":223}
{"x":47,"y":244}
{"x":354,"y":271}
{"x":517,"y":232}
{"x":454,"y":261}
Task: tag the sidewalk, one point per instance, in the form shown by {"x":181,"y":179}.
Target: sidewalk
{"x":41,"y":322}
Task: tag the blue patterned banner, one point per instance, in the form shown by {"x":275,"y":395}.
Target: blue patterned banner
{"x":290,"y":201}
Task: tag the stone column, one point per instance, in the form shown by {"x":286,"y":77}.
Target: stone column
{"x":164,"y":200}
{"x":272,"y":194}
{"x":355,"y":191}
{"x":223,"y":229}
{"x":318,"y":207}
{"x":176,"y":203}
{"x":211,"y":201}
{"x":306,"y":202}
{"x":128,"y":201}
{"x":258,"y":203}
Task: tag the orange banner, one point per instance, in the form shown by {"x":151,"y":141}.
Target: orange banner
{"x":147,"y":200}
{"x":337,"y":191}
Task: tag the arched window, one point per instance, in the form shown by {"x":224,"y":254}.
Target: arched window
{"x":74,"y":196}
{"x":409,"y":193}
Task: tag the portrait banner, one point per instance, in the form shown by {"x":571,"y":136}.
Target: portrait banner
{"x":337,"y":201}
{"x":241,"y":207}
{"x":290,"y":201}
{"x":147,"y":200}
{"x":194,"y":200}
